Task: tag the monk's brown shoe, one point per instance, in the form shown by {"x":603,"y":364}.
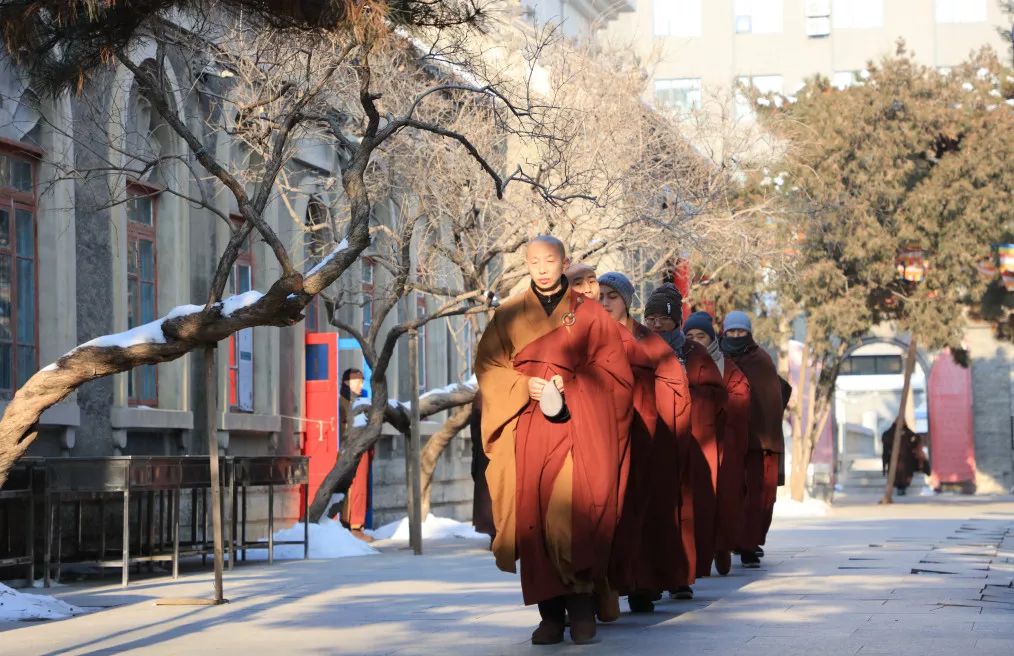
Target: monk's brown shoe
{"x":723,"y":562}
{"x":581,"y":609}
{"x":549,"y":632}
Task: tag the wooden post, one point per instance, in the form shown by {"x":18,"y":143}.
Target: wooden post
{"x":412,"y":454}
{"x":216,"y":480}
{"x":900,"y":422}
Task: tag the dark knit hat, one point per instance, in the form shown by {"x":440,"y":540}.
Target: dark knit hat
{"x":700,"y":321}
{"x":665,"y":300}
{"x":621,"y":284}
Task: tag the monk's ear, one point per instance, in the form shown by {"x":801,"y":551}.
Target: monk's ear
{"x":566,"y":263}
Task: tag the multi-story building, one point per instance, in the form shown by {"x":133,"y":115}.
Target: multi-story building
{"x":703,"y":47}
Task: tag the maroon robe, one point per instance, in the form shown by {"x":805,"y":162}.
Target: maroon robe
{"x":707,"y":404}
{"x":648,"y":534}
{"x":732,"y":460}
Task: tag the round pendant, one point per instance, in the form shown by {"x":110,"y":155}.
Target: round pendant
{"x":569,"y":319}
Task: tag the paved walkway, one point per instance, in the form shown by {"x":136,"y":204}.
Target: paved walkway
{"x":926,"y":576}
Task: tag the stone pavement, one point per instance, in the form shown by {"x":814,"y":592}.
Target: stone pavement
{"x":926,"y":576}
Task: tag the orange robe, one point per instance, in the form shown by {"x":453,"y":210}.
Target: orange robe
{"x":554,"y":486}
{"x":648,"y":547}
{"x":732,"y":460}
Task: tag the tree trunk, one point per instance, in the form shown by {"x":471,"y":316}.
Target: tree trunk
{"x":435,"y":446}
{"x":900,"y":422}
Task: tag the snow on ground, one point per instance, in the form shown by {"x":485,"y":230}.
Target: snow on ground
{"x":330,"y":256}
{"x":808,"y":508}
{"x":328,"y":539}
{"x":15,"y":606}
{"x":434,"y":528}
{"x":236,"y":303}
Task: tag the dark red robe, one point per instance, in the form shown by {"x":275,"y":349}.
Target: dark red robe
{"x":707,"y":404}
{"x":732,"y":460}
{"x":570,"y":467}
{"x":648,"y":535}
{"x":766,"y":441}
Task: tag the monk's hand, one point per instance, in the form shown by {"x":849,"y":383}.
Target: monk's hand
{"x":535,"y":387}
{"x":558,"y":381}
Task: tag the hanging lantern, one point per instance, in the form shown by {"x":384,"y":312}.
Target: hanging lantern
{"x":1007,"y":265}
{"x":911,"y":265}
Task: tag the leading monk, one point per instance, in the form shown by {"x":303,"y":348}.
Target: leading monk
{"x":556,"y":409}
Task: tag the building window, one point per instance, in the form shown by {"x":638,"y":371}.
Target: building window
{"x":678,"y":18}
{"x":961,"y":11}
{"x":857,"y":14}
{"x":18,"y":275}
{"x":872,"y":365}
{"x":241,"y":374}
{"x":762,"y":83}
{"x":843,"y":79}
{"x":142,"y":283}
{"x":683,"y":94}
{"x":420,"y":313}
{"x":758,"y":16}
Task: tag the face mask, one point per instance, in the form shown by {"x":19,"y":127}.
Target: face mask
{"x":736,"y":345}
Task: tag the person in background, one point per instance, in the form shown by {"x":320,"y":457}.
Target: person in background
{"x":911,"y":460}
{"x":697,"y":439}
{"x":482,"y":505}
{"x":582,"y":280}
{"x":700,"y":327}
{"x":357,"y":499}
{"x":766,"y":442}
{"x":556,"y":403}
{"x":649,"y":532}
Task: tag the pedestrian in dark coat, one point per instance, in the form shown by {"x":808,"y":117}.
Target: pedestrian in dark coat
{"x":482,"y":504}
{"x":912,"y":458}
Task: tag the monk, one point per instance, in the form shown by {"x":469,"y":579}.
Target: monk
{"x":649,"y":533}
{"x":766,"y":442}
{"x":582,"y":280}
{"x":663,"y":313}
{"x":556,"y":407}
{"x":731,"y":498}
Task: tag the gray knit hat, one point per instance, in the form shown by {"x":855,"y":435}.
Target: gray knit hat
{"x":621,"y":284}
{"x":737,"y":320}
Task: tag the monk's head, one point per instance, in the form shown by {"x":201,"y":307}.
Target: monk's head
{"x":616,"y":296}
{"x":582,"y":280}
{"x":546,"y":258}
{"x":700,"y":327}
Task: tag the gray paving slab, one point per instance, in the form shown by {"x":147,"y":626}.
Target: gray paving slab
{"x":823,"y":590}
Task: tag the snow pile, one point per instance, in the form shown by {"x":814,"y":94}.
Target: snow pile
{"x":244,"y":300}
{"x":434,"y":528}
{"x":15,"y":606}
{"x":809,"y":508}
{"x":328,"y":539}
{"x":470,"y":384}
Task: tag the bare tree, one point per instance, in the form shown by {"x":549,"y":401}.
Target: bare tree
{"x":292,"y":78}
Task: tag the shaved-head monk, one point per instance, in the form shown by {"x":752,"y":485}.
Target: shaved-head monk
{"x":583,"y":280}
{"x":556,"y":405}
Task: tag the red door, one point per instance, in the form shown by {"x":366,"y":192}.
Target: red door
{"x":323,"y":383}
{"x":952,"y":442}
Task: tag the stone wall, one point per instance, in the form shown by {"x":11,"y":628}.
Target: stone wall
{"x":993,"y":405}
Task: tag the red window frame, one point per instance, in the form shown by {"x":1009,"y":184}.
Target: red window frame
{"x":137,"y":232}
{"x":245,"y":258}
{"x":13,"y":199}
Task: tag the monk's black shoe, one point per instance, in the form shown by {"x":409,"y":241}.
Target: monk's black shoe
{"x":759,"y":552}
{"x":723,"y":562}
{"x":640,"y":604}
{"x":749,"y":560}
{"x":683,"y":593}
